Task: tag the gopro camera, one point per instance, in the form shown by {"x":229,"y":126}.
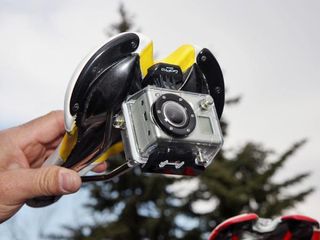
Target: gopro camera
{"x":170,"y":131}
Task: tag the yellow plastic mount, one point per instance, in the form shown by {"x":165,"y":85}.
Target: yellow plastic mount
{"x":184,"y":57}
{"x":68,"y":142}
{"x":146,"y":59}
{"x":112,"y":151}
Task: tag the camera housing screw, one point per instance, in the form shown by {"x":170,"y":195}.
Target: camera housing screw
{"x":199,"y":159}
{"x":203,"y":58}
{"x":206,"y":103}
{"x":119,"y":122}
{"x":133,"y":45}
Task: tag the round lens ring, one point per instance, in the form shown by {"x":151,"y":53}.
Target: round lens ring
{"x":175,"y":114}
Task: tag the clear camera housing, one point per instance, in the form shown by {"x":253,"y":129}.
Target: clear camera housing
{"x":171,"y":131}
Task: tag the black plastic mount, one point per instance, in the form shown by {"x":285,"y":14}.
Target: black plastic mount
{"x":209,"y":66}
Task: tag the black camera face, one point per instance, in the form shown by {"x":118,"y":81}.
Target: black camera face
{"x":174,"y":115}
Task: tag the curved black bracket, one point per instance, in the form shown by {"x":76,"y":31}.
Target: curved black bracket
{"x":102,"y":101}
{"x":209,"y":66}
{"x":113,"y":51}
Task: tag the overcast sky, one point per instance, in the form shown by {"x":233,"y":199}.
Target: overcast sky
{"x":269,"y":52}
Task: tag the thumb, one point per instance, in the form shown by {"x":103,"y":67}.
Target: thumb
{"x":22,"y":184}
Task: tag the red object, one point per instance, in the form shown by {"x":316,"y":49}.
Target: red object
{"x":231,"y":221}
{"x":284,"y":228}
{"x":299,"y":218}
{"x":288,"y":236}
{"x":316,"y":232}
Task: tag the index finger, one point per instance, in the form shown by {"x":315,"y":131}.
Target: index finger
{"x":43,"y":130}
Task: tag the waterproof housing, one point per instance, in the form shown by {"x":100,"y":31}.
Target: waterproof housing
{"x":170,"y":131}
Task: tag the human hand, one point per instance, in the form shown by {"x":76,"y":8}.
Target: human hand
{"x":23,"y":149}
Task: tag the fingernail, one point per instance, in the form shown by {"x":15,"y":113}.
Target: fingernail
{"x":69,"y":182}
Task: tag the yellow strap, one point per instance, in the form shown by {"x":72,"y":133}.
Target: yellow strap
{"x":184,"y":57}
{"x":146,"y":59}
{"x":113,"y":150}
{"x":68,"y":142}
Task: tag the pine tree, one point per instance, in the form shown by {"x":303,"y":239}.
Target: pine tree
{"x":145,"y":206}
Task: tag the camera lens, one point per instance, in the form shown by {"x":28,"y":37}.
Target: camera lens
{"x":174,"y":113}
